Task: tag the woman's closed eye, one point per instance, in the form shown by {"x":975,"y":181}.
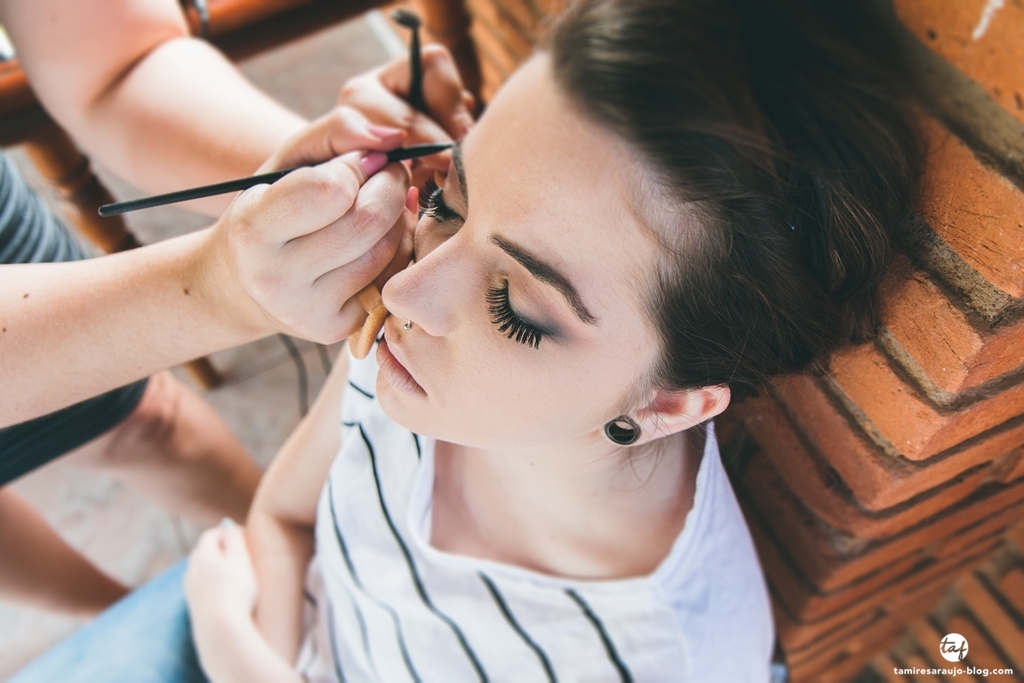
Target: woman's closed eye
{"x":432,"y":204}
{"x":508,"y":321}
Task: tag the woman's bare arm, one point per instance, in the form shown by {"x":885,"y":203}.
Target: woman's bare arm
{"x":280,"y":523}
{"x":221,"y":590}
{"x":245,"y":592}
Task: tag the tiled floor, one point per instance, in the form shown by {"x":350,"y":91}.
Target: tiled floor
{"x":115,"y":527}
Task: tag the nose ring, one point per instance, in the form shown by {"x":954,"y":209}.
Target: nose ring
{"x":407,"y":325}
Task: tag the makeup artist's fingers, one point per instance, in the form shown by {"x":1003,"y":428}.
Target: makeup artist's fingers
{"x":382,"y":105}
{"x":377,"y":207}
{"x":329,"y":309}
{"x":341,"y":130}
{"x":307,"y":199}
{"x":389,"y":256}
{"x":447,"y":99}
{"x":328,"y":220}
{"x":381,"y":96}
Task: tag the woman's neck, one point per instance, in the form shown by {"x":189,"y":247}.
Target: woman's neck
{"x":581,"y":510}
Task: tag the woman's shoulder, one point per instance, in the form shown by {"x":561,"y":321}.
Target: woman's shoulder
{"x":712,"y":578}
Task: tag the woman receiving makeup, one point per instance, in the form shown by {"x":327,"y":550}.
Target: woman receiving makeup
{"x":671,"y":203}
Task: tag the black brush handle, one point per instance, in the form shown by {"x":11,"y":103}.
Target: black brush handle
{"x":401,"y":154}
{"x":416,"y":99}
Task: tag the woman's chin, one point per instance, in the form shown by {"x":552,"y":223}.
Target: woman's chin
{"x":405,"y":409}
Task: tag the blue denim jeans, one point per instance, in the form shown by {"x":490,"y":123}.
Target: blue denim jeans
{"x":144,"y":638}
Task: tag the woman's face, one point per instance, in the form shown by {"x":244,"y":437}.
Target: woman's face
{"x":535,"y":237}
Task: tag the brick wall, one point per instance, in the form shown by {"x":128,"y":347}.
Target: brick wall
{"x":875,"y":483}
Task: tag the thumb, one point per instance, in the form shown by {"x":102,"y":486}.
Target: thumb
{"x":341,"y":130}
{"x":233,"y":540}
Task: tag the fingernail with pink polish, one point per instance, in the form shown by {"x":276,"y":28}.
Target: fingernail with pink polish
{"x":383,"y":132}
{"x":373,"y":162}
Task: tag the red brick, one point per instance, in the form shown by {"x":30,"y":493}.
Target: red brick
{"x":998,"y":623}
{"x":957,"y":542}
{"x":1016,"y":536}
{"x":815,"y":636}
{"x":504,"y":28}
{"x":796,"y":635}
{"x":912,"y":308}
{"x":885,"y":667}
{"x":914,"y":602}
{"x":877,"y":480}
{"x":1011,"y":585}
{"x":842,"y":663}
{"x":925,"y":634}
{"x":818,"y":492}
{"x":810,"y":604}
{"x":520,"y":16}
{"x":835,"y":638}
{"x":915,"y":660}
{"x":1008,"y":467}
{"x":995,"y":60}
{"x":977,"y":212}
{"x":980,"y":651}
{"x":913,"y":426}
{"x":830,"y":560}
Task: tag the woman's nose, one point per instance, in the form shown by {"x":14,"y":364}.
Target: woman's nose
{"x":428,"y":292}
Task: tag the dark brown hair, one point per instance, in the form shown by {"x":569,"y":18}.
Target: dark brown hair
{"x":787,"y":144}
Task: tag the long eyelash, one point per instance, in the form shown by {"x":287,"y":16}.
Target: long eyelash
{"x":432,"y":203}
{"x":508,"y":322}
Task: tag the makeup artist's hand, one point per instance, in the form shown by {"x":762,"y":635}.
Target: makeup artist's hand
{"x":381,"y":95}
{"x":290,"y":257}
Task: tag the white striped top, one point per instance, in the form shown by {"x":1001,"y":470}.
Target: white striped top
{"x":384,"y":605}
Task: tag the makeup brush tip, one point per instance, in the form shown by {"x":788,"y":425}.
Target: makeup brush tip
{"x":406,"y":18}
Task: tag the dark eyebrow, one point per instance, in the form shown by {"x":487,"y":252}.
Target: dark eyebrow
{"x":548,"y":274}
{"x":457,"y":162}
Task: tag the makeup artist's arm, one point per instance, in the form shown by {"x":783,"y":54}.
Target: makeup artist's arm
{"x":161,"y":109}
{"x":287,"y":257}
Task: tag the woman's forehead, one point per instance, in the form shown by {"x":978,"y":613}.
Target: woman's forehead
{"x":541,"y":174}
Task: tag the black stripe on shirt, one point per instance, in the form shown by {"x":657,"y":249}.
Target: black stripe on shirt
{"x":359,"y":584}
{"x":609,"y":646}
{"x":334,"y":646}
{"x":503,"y":606}
{"x":362,"y":391}
{"x":412,"y":566}
{"x":419,"y":451}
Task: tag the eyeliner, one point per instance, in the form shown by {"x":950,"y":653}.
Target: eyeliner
{"x":400,"y":154}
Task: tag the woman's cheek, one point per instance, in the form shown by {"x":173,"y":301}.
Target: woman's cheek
{"x":427,"y":237}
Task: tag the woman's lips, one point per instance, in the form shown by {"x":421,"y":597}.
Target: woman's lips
{"x":394,"y":372}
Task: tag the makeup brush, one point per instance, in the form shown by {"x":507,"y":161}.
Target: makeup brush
{"x":412,"y":22}
{"x":410,"y":152}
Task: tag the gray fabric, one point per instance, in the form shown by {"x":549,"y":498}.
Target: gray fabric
{"x":30,"y":233}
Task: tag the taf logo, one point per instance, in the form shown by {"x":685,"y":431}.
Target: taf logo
{"x":953,"y":647}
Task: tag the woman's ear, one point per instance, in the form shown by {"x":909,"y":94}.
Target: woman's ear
{"x":675,"y":411}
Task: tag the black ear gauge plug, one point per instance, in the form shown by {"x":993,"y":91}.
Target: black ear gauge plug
{"x":412,"y":22}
